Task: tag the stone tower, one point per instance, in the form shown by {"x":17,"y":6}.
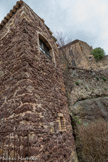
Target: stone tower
{"x":32,"y":90}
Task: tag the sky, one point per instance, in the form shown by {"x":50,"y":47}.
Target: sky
{"x":86,"y":20}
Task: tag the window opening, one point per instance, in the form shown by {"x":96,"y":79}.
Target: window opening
{"x":44,"y":46}
{"x":62,"y":122}
{"x":73,"y":63}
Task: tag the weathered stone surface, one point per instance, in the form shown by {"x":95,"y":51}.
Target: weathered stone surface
{"x":32,"y":92}
{"x":90,"y":110}
{"x":87,"y":93}
{"x":78,"y":54}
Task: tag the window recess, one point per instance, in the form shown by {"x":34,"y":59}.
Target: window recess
{"x":45,"y":47}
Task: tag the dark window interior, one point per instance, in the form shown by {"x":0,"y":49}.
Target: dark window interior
{"x":90,"y":58}
{"x":44,"y":48}
{"x":62,"y":122}
{"x":73,"y":63}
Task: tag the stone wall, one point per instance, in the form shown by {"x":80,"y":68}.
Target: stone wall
{"x":32,"y":89}
{"x":78,"y":53}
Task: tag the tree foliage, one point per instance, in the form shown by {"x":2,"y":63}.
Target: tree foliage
{"x":98,"y":53}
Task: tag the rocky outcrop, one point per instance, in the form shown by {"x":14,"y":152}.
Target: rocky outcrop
{"x":87,"y":93}
{"x":91,"y":110}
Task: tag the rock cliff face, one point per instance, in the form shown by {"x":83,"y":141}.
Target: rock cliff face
{"x":87,"y":93}
{"x":86,"y":82}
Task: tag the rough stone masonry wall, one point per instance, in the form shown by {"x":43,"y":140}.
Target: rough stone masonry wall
{"x":77,"y":54}
{"x":32,"y":92}
{"x":87,"y":93}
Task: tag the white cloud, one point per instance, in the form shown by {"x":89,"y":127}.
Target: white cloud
{"x":79,"y":19}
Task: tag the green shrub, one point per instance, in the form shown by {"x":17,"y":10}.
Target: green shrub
{"x":77,"y":83}
{"x":76,"y":119}
{"x":104,"y":79}
{"x":97,"y":78}
{"x":98,"y":53}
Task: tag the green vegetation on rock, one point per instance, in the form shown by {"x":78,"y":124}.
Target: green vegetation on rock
{"x":98,"y":53}
{"x":77,"y":83}
{"x":104,"y":79}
